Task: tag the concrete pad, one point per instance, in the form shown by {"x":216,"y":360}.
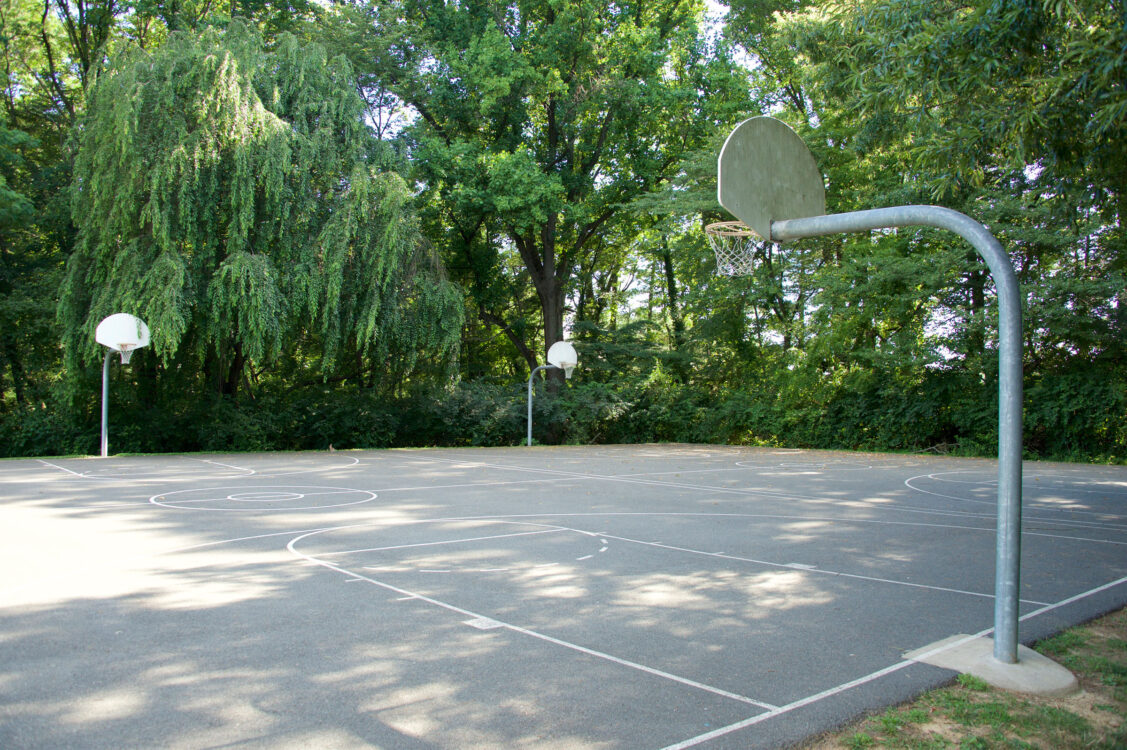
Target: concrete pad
{"x":1034,"y":673}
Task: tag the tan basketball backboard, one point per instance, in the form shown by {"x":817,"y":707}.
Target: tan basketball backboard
{"x":766,"y":173}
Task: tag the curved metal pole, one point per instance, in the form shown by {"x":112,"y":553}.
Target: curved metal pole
{"x":106,"y":404}
{"x":1008,"y":546}
{"x":530,"y":377}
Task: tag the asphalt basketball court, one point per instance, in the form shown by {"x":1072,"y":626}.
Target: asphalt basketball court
{"x":654,"y":596}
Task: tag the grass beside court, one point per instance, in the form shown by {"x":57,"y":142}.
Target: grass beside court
{"x":971,"y":715}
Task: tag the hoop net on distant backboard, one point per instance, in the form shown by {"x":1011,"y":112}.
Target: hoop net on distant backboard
{"x":734,"y":245}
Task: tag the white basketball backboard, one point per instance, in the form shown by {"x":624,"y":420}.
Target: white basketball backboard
{"x":562,"y":355}
{"x":122,"y":332}
{"x":766,"y":173}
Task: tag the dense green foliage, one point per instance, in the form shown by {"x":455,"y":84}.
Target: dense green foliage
{"x":221,"y":193}
{"x":361,"y":224}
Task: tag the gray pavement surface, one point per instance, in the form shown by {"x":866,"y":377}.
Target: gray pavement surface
{"x":633,"y":597}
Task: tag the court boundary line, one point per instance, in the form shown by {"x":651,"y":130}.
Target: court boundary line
{"x":872,"y":677}
{"x":634,"y":479}
{"x":563,"y":475}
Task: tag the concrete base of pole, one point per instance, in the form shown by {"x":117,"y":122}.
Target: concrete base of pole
{"x":1033,"y":673}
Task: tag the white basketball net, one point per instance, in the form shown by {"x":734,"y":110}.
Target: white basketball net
{"x":734,"y":245}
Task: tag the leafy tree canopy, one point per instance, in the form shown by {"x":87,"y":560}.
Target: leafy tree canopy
{"x":221,"y":194}
{"x":538,"y":124}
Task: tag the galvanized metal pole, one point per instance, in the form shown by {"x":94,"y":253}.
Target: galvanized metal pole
{"x":106,"y":404}
{"x":530,"y":377}
{"x":1007,"y":569}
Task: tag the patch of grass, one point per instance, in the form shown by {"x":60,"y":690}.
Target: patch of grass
{"x":894,"y":720}
{"x":970,"y":682}
{"x":1062,"y":643}
{"x":972,"y":715}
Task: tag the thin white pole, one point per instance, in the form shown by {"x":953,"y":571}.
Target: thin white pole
{"x":106,"y":404}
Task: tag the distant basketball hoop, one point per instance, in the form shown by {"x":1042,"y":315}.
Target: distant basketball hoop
{"x":562,"y":356}
{"x":121,"y":333}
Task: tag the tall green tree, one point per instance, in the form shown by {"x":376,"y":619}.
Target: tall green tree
{"x":222,"y":194}
{"x":1014,"y":111}
{"x":1011,"y":111}
{"x":538,"y":123}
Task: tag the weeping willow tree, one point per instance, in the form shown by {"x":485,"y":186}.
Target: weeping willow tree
{"x":222,"y":194}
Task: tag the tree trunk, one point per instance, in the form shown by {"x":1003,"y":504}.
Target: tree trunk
{"x":12,"y":355}
{"x":235,"y":373}
{"x":552,"y":303}
{"x":675,"y":315}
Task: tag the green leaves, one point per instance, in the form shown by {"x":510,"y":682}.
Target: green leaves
{"x":221,"y":191}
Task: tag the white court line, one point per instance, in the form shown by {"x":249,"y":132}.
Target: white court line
{"x":166,"y":500}
{"x":292,"y":547}
{"x":759,"y":718}
{"x":553,"y":530}
{"x":226,"y":466}
{"x":1032,"y":504}
{"x":61,"y":468}
{"x":225,"y":498}
{"x":267,"y":473}
{"x":472,"y":485}
{"x":632,"y":479}
{"x":822,"y":571}
{"x":828,"y":519}
{"x":809,"y":569}
{"x":1031,"y":478}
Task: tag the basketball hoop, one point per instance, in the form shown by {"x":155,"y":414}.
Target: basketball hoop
{"x":734,"y":245}
{"x":124,"y":333}
{"x":562,"y":355}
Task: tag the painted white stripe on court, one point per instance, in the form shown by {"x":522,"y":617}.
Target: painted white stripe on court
{"x":336,"y":467}
{"x":292,"y":547}
{"x":483,"y":623}
{"x":812,"y":569}
{"x":61,"y":468}
{"x":554,"y":530}
{"x":266,"y":473}
{"x":227,"y":466}
{"x":760,"y":718}
{"x":633,"y":479}
{"x":1031,"y":505}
